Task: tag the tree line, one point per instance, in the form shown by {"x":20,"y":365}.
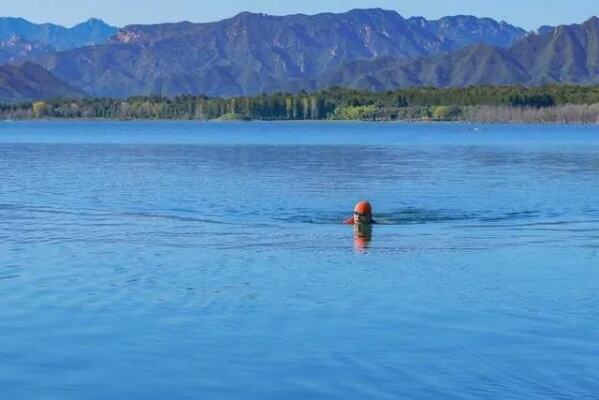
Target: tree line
{"x":471,"y":103}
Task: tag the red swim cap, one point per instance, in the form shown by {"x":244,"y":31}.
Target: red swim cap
{"x":363,"y":207}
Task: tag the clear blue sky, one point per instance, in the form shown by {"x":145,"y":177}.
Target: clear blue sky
{"x":528,"y":14}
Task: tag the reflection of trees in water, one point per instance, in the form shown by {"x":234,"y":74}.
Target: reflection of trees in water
{"x":545,"y":160}
{"x":567,"y":113}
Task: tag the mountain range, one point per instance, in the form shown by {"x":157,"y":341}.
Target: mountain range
{"x":32,"y":82}
{"x":254,"y":53}
{"x":564,"y":54}
{"x":22,"y":40}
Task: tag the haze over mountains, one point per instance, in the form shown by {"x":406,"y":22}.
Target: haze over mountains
{"x":254,"y":53}
{"x":21,"y":39}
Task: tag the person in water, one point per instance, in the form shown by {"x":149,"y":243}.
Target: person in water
{"x":362,"y":222}
{"x":362,"y":214}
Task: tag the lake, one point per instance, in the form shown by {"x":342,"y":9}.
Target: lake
{"x":161,"y":260}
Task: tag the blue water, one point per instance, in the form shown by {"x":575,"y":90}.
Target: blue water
{"x":208,"y":261}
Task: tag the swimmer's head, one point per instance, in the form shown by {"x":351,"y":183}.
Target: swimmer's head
{"x":363,"y":213}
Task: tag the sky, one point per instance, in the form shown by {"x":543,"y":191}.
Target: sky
{"x":529,"y":14}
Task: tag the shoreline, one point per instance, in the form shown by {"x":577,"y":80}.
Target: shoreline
{"x":323,"y":121}
{"x":485,"y":104}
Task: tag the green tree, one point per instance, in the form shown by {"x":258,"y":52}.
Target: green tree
{"x":39,"y":109}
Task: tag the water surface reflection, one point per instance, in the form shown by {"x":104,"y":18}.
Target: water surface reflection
{"x":193,"y":260}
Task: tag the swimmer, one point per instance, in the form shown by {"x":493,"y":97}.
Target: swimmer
{"x":362,"y":214}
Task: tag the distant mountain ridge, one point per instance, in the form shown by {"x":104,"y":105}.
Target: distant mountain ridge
{"x":21,"y":40}
{"x":466,"y":30}
{"x":254,"y":53}
{"x":91,"y":32}
{"x":564,"y":54}
{"x":15,"y":49}
{"x":30,"y":82}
